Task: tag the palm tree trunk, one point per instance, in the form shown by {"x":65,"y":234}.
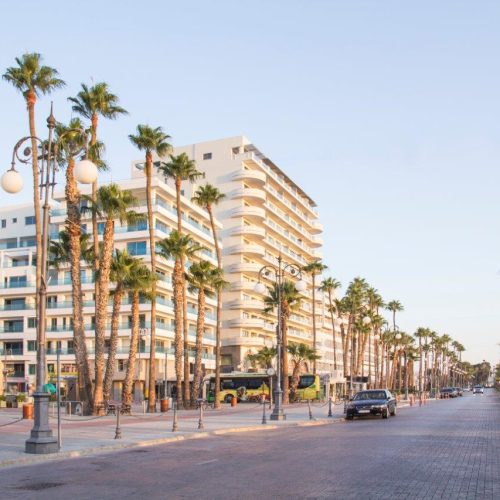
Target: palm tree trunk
{"x":345,"y":350}
{"x":113,"y":341}
{"x":152,"y":250}
{"x":314,"y":316}
{"x":333,"y":330}
{"x":420,"y":371}
{"x":295,"y":379}
{"x":73,"y":227}
{"x":132,"y":353}
{"x":178,"y":270}
{"x":101,"y":313}
{"x":217,"y":404}
{"x":200,"y":325}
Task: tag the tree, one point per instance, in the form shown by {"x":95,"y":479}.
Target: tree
{"x":300,"y":353}
{"x":33,"y":79}
{"x":208,"y":196}
{"x":314,"y":268}
{"x":122,"y":269}
{"x":201,"y":277}
{"x":394,"y":306}
{"x":140,"y":281}
{"x":421,"y":334}
{"x":180,"y":168}
{"x":151,"y":141}
{"x":328,"y":286}
{"x":290,"y":301}
{"x":179,"y":248}
{"x":264,"y":357}
{"x":111,"y":204}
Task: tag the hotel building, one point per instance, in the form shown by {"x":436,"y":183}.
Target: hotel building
{"x":17,"y":292}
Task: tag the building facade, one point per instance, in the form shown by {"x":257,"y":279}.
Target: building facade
{"x":17,"y":293}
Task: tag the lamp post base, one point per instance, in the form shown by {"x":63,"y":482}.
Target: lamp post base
{"x":41,"y":442}
{"x":278,"y":411}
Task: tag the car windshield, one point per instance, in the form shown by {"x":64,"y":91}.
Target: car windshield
{"x":364,"y":396}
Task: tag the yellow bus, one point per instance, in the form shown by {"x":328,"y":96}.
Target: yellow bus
{"x":253,"y":386}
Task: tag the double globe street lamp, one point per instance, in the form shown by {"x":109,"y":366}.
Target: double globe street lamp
{"x":278,"y":274}
{"x":41,"y":440}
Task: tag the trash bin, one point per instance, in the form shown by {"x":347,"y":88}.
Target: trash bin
{"x":164,"y":404}
{"x":28,"y":411}
{"x":234,"y":401}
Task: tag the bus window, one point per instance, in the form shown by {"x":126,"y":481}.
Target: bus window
{"x":306,"y":381}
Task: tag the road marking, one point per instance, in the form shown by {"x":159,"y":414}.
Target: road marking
{"x":208,"y":462}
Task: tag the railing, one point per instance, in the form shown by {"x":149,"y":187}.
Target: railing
{"x":11,"y":352}
{"x":16,"y":307}
{"x":12,"y":329}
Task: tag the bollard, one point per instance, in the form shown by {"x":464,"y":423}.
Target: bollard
{"x":264,"y":418}
{"x":175,"y":426}
{"x":118,"y":431}
{"x":200,"y":421}
{"x":330,"y":414}
{"x":411,"y":400}
{"x":310,"y":411}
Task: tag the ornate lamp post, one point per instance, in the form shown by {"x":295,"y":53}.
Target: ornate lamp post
{"x":41,"y":440}
{"x":278,"y":273}
{"x":376,"y":338}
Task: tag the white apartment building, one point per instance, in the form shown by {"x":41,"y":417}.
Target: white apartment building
{"x":264,"y":214}
{"x":17,"y":292}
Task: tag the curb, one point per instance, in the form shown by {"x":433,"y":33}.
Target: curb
{"x":32,"y":460}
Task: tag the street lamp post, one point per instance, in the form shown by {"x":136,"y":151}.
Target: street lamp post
{"x":42,"y":440}
{"x":278,"y":273}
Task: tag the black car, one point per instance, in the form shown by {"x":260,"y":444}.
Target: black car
{"x":372,"y":402}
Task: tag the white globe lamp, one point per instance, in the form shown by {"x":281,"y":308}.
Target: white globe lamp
{"x":398,"y":336}
{"x":301,"y":286}
{"x":260,"y":288}
{"x":12,"y":181}
{"x":85,"y":172}
{"x":366,"y":320}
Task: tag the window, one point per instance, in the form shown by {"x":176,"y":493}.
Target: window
{"x":4,"y":223}
{"x":30,"y":220}
{"x":207,"y":156}
{"x":31,"y":344}
{"x":100,"y":227}
{"x":32,"y":369}
{"x":32,"y":323}
{"x":136,"y":248}
{"x":14,"y":220}
{"x":122,"y":365}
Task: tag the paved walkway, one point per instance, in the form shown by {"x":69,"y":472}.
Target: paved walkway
{"x":89,"y":435}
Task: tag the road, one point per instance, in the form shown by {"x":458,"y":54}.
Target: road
{"x":447,"y":449}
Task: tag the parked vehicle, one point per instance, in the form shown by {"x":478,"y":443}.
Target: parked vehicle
{"x":478,"y":389}
{"x":459,"y":391}
{"x":372,"y":402}
{"x":448,"y":392}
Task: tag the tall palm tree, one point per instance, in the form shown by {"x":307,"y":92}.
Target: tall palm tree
{"x":123,"y":265}
{"x":151,"y":141}
{"x":300,"y":353}
{"x":111,"y":204}
{"x":33,"y":79}
{"x":290,"y":301}
{"x":421,"y":334}
{"x":264,"y":357}
{"x":208,"y":196}
{"x":178,"y":248}
{"x":314,"y":268}
{"x":328,"y":286}
{"x":394,"y":306}
{"x":180,"y":168}
{"x":140,"y":281}
{"x":201,"y":278}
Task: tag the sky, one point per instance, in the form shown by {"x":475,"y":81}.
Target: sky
{"x":385,"y":112}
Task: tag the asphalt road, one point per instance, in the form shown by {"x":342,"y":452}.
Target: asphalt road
{"x":447,"y":449}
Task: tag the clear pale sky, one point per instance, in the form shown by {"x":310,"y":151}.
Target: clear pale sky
{"x":386,"y":112}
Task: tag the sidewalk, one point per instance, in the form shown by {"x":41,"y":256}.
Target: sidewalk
{"x":91,"y":435}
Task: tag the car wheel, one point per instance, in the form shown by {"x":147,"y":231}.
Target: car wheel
{"x":349,"y":417}
{"x":393,"y":412}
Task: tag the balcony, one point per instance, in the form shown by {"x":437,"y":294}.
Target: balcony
{"x":15,"y":328}
{"x":254,"y":250}
{"x":316,"y":227}
{"x":12,"y":352}
{"x":252,"y":177}
{"x":255,"y":323}
{"x":257,"y":305}
{"x":255,"y":214}
{"x":250,"y":232}
{"x":242,"y":285}
{"x":16,"y":307}
{"x":256,"y":195}
{"x":244,"y":267}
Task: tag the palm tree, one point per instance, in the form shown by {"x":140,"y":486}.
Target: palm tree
{"x":180,"y":168}
{"x":208,"y":196}
{"x":394,"y":306}
{"x":328,"y":286}
{"x":139,"y":281}
{"x":111,"y":203}
{"x":314,"y":268}
{"x":264,"y":357}
{"x":151,"y":141}
{"x":290,"y":301}
{"x":179,"y":248}
{"x":201,"y":278}
{"x":60,"y":250}
{"x":421,"y":333}
{"x":300,"y":353}
{"x":122,"y":268}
